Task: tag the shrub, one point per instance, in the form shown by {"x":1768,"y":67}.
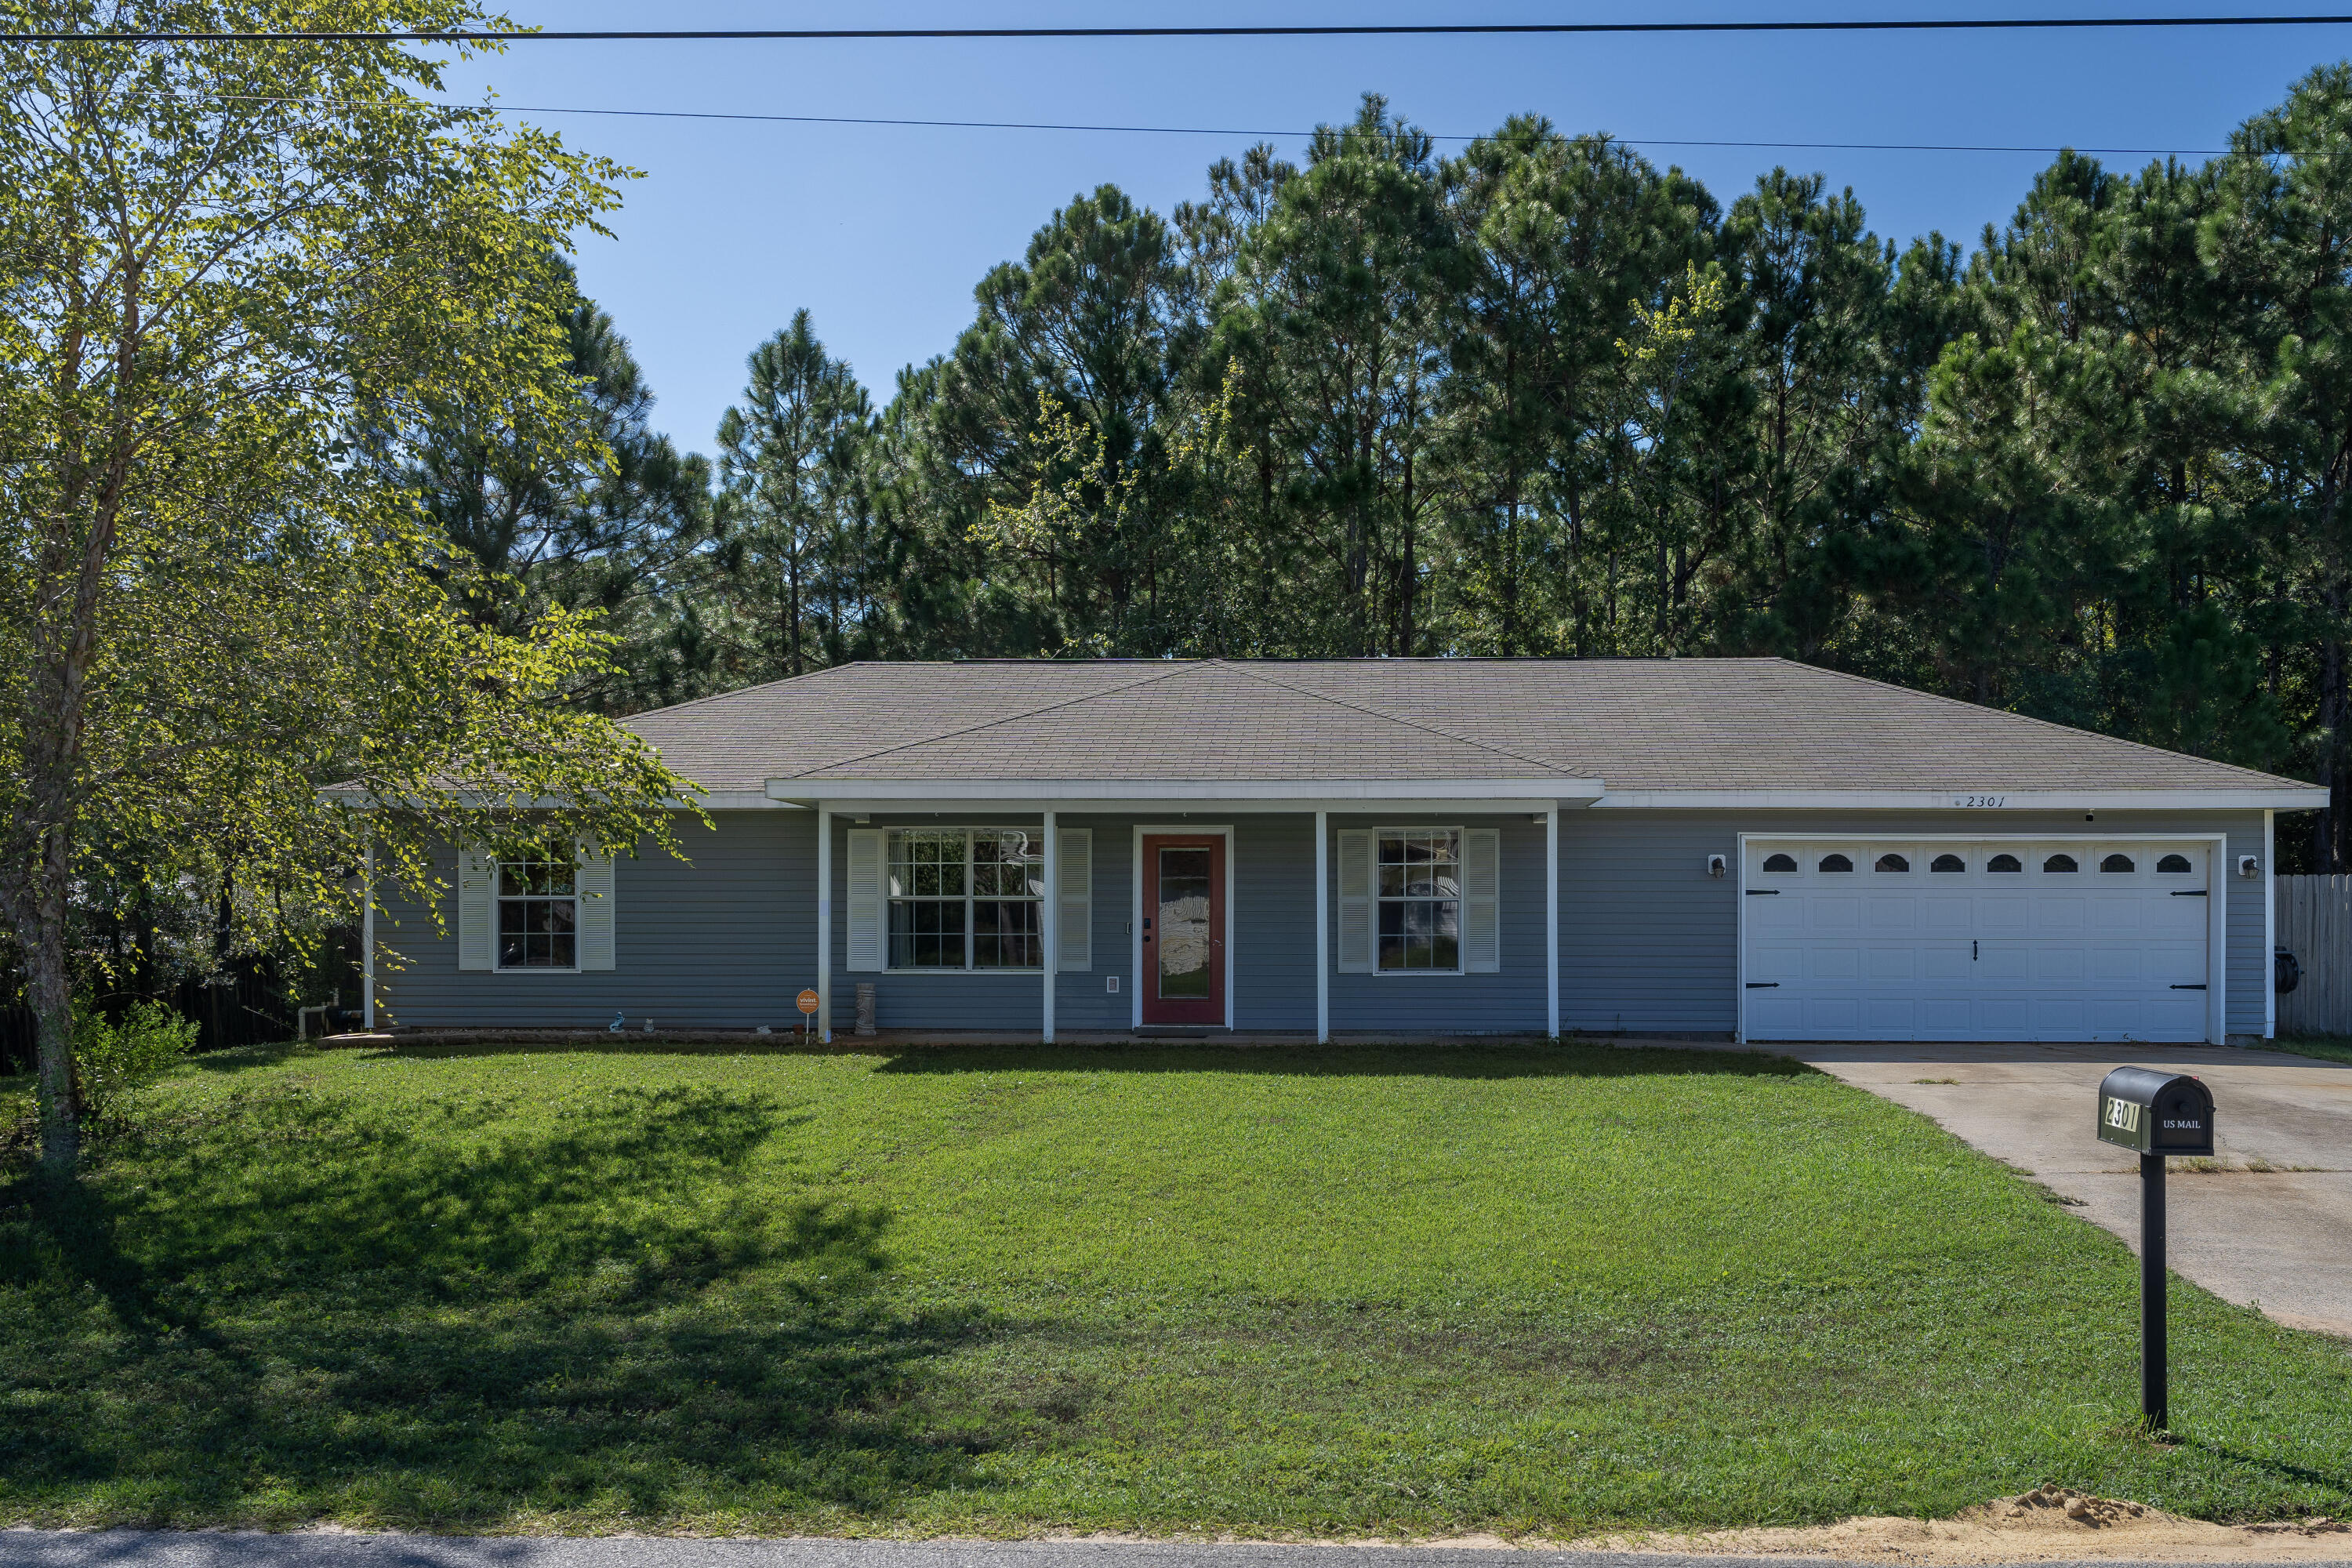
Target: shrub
{"x":115,"y":1058}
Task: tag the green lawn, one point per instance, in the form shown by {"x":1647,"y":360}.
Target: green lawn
{"x":1157,"y":1288}
{"x":2332,"y":1047}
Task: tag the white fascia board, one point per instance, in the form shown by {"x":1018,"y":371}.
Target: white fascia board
{"x":1262,"y":794}
{"x":1985,"y":806}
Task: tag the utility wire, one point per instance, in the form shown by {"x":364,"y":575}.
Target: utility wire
{"x":1213,"y":129}
{"x":1343,"y":30}
{"x":1234,"y":131}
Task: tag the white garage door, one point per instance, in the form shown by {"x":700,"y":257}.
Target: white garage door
{"x":1913,"y":939}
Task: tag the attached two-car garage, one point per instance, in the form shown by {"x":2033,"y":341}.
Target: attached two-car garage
{"x":2056,"y":939}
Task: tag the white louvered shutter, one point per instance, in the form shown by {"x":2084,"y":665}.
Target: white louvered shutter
{"x":866,"y":902}
{"x":1355,"y":900}
{"x":477,"y":908}
{"x":1074,"y":912}
{"x":594,"y":882}
{"x":1482,"y":913}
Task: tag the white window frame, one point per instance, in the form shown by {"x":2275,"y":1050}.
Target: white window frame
{"x":500,"y":899}
{"x":892,"y":836}
{"x":1460,"y":900}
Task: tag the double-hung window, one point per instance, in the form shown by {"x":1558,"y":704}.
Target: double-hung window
{"x":539,"y":910}
{"x":966,"y":898}
{"x":1419,"y":898}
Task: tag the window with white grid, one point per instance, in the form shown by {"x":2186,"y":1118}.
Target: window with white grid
{"x":966,"y":898}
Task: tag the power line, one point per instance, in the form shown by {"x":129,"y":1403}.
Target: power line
{"x":1239,"y":130}
{"x":1354,"y":30}
{"x":1204,"y":130}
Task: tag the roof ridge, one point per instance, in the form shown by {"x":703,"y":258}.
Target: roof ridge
{"x":1544,"y":762}
{"x":755,"y":685}
{"x":2031,"y":718}
{"x":991,"y":723}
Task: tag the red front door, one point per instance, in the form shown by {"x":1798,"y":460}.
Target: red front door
{"x":1184,"y":928}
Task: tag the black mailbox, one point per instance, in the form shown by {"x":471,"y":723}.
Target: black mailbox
{"x":2155,"y":1112}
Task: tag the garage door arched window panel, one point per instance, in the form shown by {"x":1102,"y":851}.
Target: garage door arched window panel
{"x":1781,"y":863}
{"x":2059,"y":865}
{"x":1948,"y":864}
{"x":2004,"y":863}
{"x":2174,"y":866}
{"x":1891,"y":862}
{"x":2116,"y":863}
{"x":1835,"y":863}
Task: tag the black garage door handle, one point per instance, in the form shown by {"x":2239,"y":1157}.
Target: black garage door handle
{"x":2189,"y":988}
{"x":1763,"y":986}
{"x":1763,"y":892}
{"x":2187,"y":893}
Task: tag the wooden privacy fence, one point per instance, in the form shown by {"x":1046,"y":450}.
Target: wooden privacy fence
{"x":2314,"y":923}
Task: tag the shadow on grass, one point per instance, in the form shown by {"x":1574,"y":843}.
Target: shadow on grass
{"x":1434,"y":1060}
{"x":2340,"y":1478}
{"x":306,"y":1307}
{"x":1462,"y":1059}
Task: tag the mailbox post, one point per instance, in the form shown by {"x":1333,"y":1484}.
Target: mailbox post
{"x":2157,"y":1115}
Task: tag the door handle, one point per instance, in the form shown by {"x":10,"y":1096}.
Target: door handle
{"x":1972,"y":952}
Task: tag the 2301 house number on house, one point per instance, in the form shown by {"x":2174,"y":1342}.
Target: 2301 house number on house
{"x":1965,"y":801}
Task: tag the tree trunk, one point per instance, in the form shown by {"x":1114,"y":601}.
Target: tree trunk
{"x":51,"y":992}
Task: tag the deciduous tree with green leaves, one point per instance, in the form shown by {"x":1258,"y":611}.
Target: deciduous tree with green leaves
{"x":224,"y":263}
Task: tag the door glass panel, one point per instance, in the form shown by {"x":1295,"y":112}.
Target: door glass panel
{"x":1183,"y":923}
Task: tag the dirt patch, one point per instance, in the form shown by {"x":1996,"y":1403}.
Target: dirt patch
{"x":2049,"y":1524}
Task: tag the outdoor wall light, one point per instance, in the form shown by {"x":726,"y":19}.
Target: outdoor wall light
{"x":2249,"y":868}
{"x":1718,"y":866}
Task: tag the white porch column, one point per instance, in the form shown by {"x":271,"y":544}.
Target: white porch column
{"x":1551,"y":919}
{"x":1322,"y":926}
{"x":2270,"y":925}
{"x":1049,"y":919}
{"x":367,"y":938}
{"x":824,"y":920}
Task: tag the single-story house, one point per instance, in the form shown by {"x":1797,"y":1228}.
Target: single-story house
{"x":1739,"y":846}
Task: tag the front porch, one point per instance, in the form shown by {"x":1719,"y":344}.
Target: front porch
{"x":1381,"y":917}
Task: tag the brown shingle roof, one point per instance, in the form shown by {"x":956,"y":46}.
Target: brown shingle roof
{"x":1634,"y":724}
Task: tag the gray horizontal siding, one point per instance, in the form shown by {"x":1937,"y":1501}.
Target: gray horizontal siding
{"x":939,"y":999}
{"x":1649,"y":942}
{"x":1513,"y":1000}
{"x":722,"y":940}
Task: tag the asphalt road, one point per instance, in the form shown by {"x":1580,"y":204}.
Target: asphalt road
{"x":143,"y":1549}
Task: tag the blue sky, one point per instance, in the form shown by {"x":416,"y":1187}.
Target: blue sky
{"x":882,"y":232}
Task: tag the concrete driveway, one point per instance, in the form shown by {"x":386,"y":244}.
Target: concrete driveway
{"x":2270,"y":1227}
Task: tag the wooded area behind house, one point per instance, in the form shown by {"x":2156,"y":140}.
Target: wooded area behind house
{"x":1548,"y":398}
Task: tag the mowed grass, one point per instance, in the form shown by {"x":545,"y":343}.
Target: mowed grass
{"x":2328,"y":1048}
{"x":1162,"y":1288}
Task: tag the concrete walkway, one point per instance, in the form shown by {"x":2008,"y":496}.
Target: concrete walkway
{"x":2270,"y":1228}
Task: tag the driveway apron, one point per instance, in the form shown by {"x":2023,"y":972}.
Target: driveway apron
{"x":2268,"y":1225}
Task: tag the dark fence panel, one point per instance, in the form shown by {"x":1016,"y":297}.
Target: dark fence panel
{"x":249,"y":1006}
